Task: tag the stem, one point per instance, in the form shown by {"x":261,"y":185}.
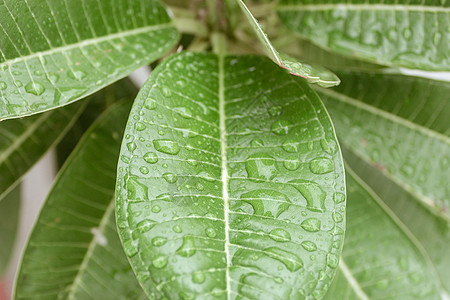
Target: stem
{"x":219,"y":43}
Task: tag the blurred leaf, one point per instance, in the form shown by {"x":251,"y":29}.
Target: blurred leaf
{"x":55,"y":52}
{"x":381,"y":259}
{"x":9,"y":223}
{"x":412,"y":34}
{"x":230,"y":171}
{"x":74,"y":251}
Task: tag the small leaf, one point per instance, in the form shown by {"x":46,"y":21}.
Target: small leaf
{"x":24,"y":141}
{"x":56,"y":52}
{"x":215,"y":191}
{"x":380,"y":258}
{"x":316,"y":74}
{"x":9,"y":223}
{"x":74,"y":251}
{"x":407,"y":34}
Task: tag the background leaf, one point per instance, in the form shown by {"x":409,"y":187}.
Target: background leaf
{"x":24,"y":141}
{"x":318,"y":75}
{"x":74,"y":251}
{"x":9,"y":222}
{"x":395,"y":134}
{"x":55,"y":52}
{"x":380,"y":259}
{"x":410,"y":34}
{"x":230,"y":182}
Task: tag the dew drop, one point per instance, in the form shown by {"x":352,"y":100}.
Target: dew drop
{"x":177,"y":229}
{"x":337,"y":217}
{"x":309,"y":246}
{"x":131,"y":146}
{"x":166,"y":146}
{"x":332,"y":260}
{"x":151,"y":158}
{"x":156,"y":209}
{"x":311,"y":225}
{"x":280,"y":127}
{"x":136,"y":190}
{"x":76,"y":74}
{"x":321,"y":165}
{"x":257,"y":143}
{"x":291,"y":163}
{"x":261,"y":166}
{"x":3,"y":85}
{"x":129,"y":248}
{"x":198,"y":277}
{"x":290,"y":260}
{"x":139,"y":126}
{"x":210,"y":232}
{"x":280,"y":235}
{"x":187,"y":249}
{"x":160,"y":261}
{"x":382,"y":284}
{"x":313,"y":193}
{"x":170,"y":177}
{"x":145,"y":225}
{"x":159,"y":241}
{"x":275,"y":110}
{"x":150,"y":104}
{"x":144,"y":170}
{"x":166,"y":91}
{"x":290,"y":146}
{"x":338,"y":197}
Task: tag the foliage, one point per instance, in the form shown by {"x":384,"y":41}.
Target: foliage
{"x":231,"y":182}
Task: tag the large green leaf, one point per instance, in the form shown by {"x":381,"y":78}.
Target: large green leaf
{"x":230,"y":183}
{"x":381,"y":259}
{"x":397,"y":135}
{"x":55,"y":52}
{"x":74,"y":251}
{"x":9,"y":222}
{"x":400,"y":124}
{"x":24,"y":141}
{"x":414,"y":34}
{"x":318,"y":75}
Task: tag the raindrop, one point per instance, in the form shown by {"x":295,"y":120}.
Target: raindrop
{"x":338,"y":197}
{"x":261,"y":166}
{"x":129,"y":248}
{"x":280,"y":235}
{"x":136,"y":190}
{"x":309,"y":246}
{"x":76,"y":74}
{"x":160,"y":261}
{"x":144,"y":170}
{"x":145,"y":225}
{"x":321,"y":165}
{"x":290,"y":260}
{"x":332,"y":260}
{"x":131,"y":146}
{"x":198,"y":277}
{"x":170,"y":177}
{"x":166,"y":146}
{"x":139,"y":126}
{"x":210,"y":232}
{"x":166,"y":91}
{"x":151,"y":158}
{"x":290,"y":146}
{"x":275,"y":110}
{"x":291,"y":163}
{"x":187,"y":249}
{"x":150,"y":104}
{"x":280,"y":127}
{"x":156,"y":209}
{"x":159,"y":241}
{"x":177,"y":229}
{"x":313,"y":193}
{"x":257,"y":143}
{"x":3,"y":85}
{"x":311,"y":225}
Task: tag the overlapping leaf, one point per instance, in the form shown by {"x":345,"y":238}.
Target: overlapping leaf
{"x":397,"y":135}
{"x":55,"y":52}
{"x":74,"y":251}
{"x":24,"y":141}
{"x":230,"y":182}
{"x":316,"y":74}
{"x":412,"y":34}
{"x":9,"y":223}
{"x":380,"y":259}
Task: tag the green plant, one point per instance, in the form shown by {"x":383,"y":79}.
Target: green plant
{"x":230,"y":180}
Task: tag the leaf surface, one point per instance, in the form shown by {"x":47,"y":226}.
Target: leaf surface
{"x":316,"y":74}
{"x":55,"y":52}
{"x":24,"y":141}
{"x":396,"y":135}
{"x":381,"y":259}
{"x":412,"y":34}
{"x":9,"y":223}
{"x":74,"y":251}
{"x":229,"y":179}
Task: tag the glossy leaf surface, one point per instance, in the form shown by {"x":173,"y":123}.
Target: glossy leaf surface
{"x":55,"y":52}
{"x":9,"y":223}
{"x":24,"y":141}
{"x":413,"y":34}
{"x":230,"y":182}
{"x":74,"y":251}
{"x":380,"y":259}
{"x":395,"y":130}
{"x":318,"y":75}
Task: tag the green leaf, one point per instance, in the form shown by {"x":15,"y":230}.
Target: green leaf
{"x":400,"y":125}
{"x":24,"y":141}
{"x":9,"y":222}
{"x":229,"y":178}
{"x":395,"y":130}
{"x":381,"y":259}
{"x":74,"y":251}
{"x":319,"y":75}
{"x":56,"y":52}
{"x":404,"y":33}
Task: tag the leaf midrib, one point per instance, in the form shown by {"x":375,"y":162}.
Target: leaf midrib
{"x":224,"y":175}
{"x":92,"y":245}
{"x":87,"y":42}
{"x":352,"y":281}
{"x":362,"y":7}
